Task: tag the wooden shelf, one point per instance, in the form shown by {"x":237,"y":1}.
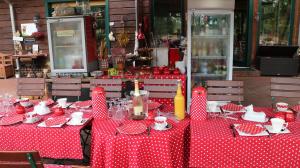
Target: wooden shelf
{"x":30,"y":55}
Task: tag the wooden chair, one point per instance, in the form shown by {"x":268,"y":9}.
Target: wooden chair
{"x":161,"y":88}
{"x":31,"y":87}
{"x":112,"y":87}
{"x":66,"y":87}
{"x":225,"y":90}
{"x":285,"y":88}
{"x":27,"y":159}
{"x":20,"y":159}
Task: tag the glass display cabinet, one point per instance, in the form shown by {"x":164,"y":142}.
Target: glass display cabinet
{"x":210,"y":47}
{"x":72,"y":44}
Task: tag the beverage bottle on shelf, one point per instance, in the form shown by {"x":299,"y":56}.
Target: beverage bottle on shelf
{"x":137,"y":100}
{"x":179,"y":103}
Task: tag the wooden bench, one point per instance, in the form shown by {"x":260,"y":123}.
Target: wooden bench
{"x":225,"y":90}
{"x":31,"y":87}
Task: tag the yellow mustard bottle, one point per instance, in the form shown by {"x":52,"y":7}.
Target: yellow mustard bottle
{"x":179,"y":103}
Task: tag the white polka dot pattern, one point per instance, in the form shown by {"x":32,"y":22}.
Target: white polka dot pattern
{"x":165,"y":149}
{"x":57,"y":143}
{"x":198,"y":104}
{"x":99,"y":104}
{"x":213,"y":145}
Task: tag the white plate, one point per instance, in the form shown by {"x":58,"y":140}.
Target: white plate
{"x":42,"y":124}
{"x":67,"y":105}
{"x":158,"y":129}
{"x":84,"y":120}
{"x":266,"y":120}
{"x":34,"y":120}
{"x":241,"y":133}
{"x":270,"y":129}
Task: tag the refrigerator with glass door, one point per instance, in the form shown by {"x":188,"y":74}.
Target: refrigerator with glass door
{"x":210,"y":47}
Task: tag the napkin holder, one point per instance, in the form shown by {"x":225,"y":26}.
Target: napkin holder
{"x":251,"y":115}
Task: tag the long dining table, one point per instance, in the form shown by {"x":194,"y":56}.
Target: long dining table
{"x":213,"y":144}
{"x":56,"y":143}
{"x":168,"y":149}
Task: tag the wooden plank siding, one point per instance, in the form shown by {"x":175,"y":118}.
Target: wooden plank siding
{"x":24,"y":13}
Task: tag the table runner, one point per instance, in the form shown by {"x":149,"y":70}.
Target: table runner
{"x":160,"y":149}
{"x":57,"y":143}
{"x":213,"y":145}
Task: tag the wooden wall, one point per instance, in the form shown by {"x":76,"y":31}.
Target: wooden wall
{"x":125,"y":9}
{"x":296,"y":22}
{"x":24,"y":13}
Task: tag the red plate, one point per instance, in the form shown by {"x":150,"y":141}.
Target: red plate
{"x":11,"y":120}
{"x":250,"y":128}
{"x":132,"y":128}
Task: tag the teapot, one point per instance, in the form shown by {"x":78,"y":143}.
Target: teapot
{"x":20,"y":109}
{"x":41,"y":108}
{"x":59,"y":111}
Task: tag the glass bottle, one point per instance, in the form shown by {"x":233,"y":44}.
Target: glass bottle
{"x":137,"y":102}
{"x":179,"y":103}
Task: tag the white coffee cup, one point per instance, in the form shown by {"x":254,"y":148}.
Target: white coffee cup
{"x":278,"y":124}
{"x":29,"y":116}
{"x":62,"y":102}
{"x":76,"y":117}
{"x":160,"y":122}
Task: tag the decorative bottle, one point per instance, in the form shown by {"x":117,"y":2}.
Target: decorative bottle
{"x":179,"y":103}
{"x":137,"y":102}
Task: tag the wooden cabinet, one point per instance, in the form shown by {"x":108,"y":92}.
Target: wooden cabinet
{"x":6,"y":66}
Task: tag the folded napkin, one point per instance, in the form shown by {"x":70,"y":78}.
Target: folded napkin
{"x":56,"y":121}
{"x":86,"y":103}
{"x":132,"y":128}
{"x":232,"y":107}
{"x":250,"y":128}
{"x":11,"y":119}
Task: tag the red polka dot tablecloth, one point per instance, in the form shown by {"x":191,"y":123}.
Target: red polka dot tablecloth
{"x":165,"y":149}
{"x":213,"y":145}
{"x":57,"y":143}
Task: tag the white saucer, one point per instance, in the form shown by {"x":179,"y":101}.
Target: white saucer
{"x":84,"y":120}
{"x":270,"y":129}
{"x":28,"y":105}
{"x":169,"y":126}
{"x":266,"y":120}
{"x":34,"y":120}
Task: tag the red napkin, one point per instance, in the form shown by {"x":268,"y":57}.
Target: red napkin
{"x":11,"y":119}
{"x":296,"y":108}
{"x":133,"y":128}
{"x":86,"y":103}
{"x":56,"y":121}
{"x":153,"y":105}
{"x":232,"y":107}
{"x":250,"y":128}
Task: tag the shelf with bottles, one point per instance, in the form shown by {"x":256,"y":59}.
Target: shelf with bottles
{"x":203,"y":67}
{"x":209,"y":57}
{"x":210,"y":25}
{"x":217,"y":36}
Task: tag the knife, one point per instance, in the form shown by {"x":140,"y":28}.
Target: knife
{"x":232,"y":128}
{"x":267,"y":131}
